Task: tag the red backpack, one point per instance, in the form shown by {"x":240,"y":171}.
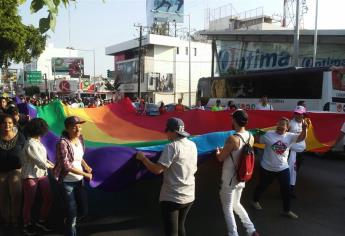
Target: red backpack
{"x":245,"y":167}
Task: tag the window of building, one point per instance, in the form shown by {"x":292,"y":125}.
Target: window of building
{"x":186,"y":50}
{"x":177,"y":50}
{"x":194,"y":51}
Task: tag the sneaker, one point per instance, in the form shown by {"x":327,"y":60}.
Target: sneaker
{"x":257,"y":205}
{"x":255,"y":234}
{"x":43,"y":226}
{"x":29,"y":230}
{"x":291,"y":215}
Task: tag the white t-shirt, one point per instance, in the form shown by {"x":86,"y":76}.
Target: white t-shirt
{"x":267,"y":107}
{"x":275,"y":157}
{"x":78,"y":152}
{"x":295,"y":127}
{"x":180,"y":158}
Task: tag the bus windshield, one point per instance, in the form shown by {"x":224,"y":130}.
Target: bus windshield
{"x":292,"y":85}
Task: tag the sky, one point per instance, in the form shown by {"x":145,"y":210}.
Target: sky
{"x":97,"y":24}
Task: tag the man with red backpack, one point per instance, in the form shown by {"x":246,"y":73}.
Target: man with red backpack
{"x":234,"y":156}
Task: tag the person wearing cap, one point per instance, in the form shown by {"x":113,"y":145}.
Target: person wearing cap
{"x":70,"y":170}
{"x":231,"y":189}
{"x":178,"y":163}
{"x":274,"y":162}
{"x":217,"y":106}
{"x":296,"y":149}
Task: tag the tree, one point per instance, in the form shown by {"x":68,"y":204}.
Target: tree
{"x":18,"y":42}
{"x":48,"y":22}
{"x":52,"y":6}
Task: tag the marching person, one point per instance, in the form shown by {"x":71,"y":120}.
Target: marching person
{"x":35,"y":176}
{"x":296,"y":149}
{"x":231,"y":189}
{"x":11,"y":149}
{"x":264,"y":105}
{"x":70,"y":170}
{"x":217,"y":106}
{"x":274,"y":163}
{"x":178,"y":163}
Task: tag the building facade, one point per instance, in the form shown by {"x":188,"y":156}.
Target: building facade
{"x":164,"y":69}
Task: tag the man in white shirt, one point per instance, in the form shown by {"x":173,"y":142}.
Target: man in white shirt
{"x":274,"y":163}
{"x":264,"y":105}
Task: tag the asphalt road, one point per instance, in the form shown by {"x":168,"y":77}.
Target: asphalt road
{"x":134,"y":211}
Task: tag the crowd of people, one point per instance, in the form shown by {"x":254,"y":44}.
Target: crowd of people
{"x":24,"y":169}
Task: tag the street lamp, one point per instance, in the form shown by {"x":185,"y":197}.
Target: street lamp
{"x":189,"y":53}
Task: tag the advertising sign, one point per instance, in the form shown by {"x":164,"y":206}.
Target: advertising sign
{"x":126,"y":71}
{"x":73,"y":66}
{"x":164,"y":11}
{"x":8,"y":75}
{"x":248,"y":56}
{"x":67,"y":86}
{"x":160,"y":82}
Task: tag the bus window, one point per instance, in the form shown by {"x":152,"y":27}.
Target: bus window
{"x":338,"y":80}
{"x":283,"y":85}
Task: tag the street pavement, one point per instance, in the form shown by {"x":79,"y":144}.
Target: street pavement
{"x":134,"y":211}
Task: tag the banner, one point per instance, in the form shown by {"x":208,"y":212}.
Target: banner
{"x":114,"y":133}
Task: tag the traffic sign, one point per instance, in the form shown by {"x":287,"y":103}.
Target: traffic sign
{"x":34,"y":77}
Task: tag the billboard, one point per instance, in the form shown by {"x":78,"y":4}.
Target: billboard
{"x":73,"y":66}
{"x":160,"y":82}
{"x":164,"y":11}
{"x":246,"y":56}
{"x":126,"y":72}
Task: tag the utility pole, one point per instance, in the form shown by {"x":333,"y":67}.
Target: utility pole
{"x":315,"y":33}
{"x":139,"y":56}
{"x":296,"y":36}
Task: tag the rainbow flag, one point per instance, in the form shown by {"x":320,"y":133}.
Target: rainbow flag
{"x":114,"y":133}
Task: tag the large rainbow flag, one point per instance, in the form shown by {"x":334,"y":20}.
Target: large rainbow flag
{"x":114,"y":133}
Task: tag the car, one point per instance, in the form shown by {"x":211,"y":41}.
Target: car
{"x":171,"y":107}
{"x":151,"y":108}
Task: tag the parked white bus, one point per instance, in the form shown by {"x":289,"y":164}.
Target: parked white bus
{"x":322,"y":89}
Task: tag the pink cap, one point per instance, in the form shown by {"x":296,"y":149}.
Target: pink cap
{"x":300,"y":110}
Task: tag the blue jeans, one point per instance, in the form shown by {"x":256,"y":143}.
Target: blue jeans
{"x":76,"y":204}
